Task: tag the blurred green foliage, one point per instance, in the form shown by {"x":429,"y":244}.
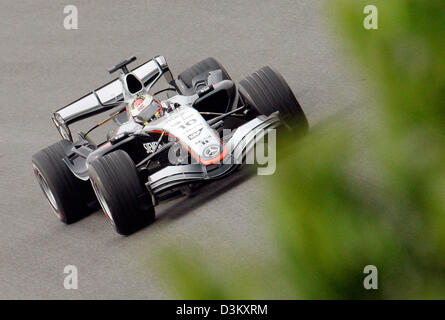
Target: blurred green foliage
{"x":341,"y":203}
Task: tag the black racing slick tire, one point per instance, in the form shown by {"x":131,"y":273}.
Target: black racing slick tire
{"x":266,"y":91}
{"x":67,"y":195}
{"x":206,"y":65}
{"x":122,"y":196}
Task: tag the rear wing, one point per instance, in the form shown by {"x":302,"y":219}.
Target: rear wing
{"x":98,"y":101}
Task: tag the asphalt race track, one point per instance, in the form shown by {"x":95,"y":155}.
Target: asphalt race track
{"x":43,"y":67}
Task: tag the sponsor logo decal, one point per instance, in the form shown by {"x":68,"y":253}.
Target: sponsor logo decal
{"x":211,"y":151}
{"x":195,"y":134}
{"x":150,"y":146}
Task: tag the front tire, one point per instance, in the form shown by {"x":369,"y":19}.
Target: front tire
{"x":266,"y":91}
{"x":206,"y":65}
{"x":67,"y":195}
{"x":122,"y":196}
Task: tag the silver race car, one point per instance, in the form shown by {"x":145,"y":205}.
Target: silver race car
{"x":201,"y":131}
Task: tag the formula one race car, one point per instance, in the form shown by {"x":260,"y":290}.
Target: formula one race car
{"x":161,"y":147}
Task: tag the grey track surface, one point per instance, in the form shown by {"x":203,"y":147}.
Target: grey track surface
{"x":43,"y":66}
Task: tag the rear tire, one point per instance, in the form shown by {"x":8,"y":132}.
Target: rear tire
{"x":67,"y":195}
{"x":122,"y":196}
{"x":266,"y":91}
{"x":206,"y":65}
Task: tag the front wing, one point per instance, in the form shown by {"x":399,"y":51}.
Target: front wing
{"x":239,"y":145}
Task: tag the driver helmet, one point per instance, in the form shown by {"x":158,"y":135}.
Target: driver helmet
{"x":144,"y":107}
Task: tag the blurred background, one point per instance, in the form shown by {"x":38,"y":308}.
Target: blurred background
{"x":356,"y":191}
